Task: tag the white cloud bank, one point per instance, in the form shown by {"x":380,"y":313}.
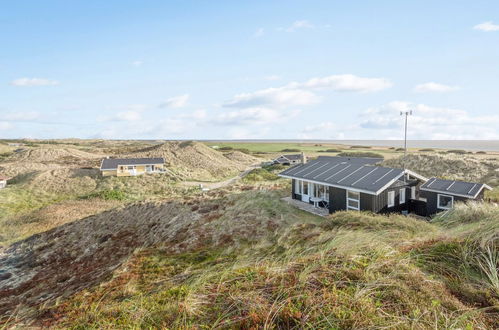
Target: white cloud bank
{"x":487,"y":27}
{"x":434,"y":87}
{"x":303,"y":93}
{"x":175,"y":102}
{"x":427,"y":123}
{"x":28,"y":82}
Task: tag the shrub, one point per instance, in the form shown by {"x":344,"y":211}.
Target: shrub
{"x":225,"y":148}
{"x":426,"y":150}
{"x":244,"y":150}
{"x":290,"y":150}
{"x":116,"y":195}
{"x":457,"y":151}
{"x":399,"y":149}
{"x":360,"y":147}
{"x":481,"y":152}
{"x":260,"y":174}
{"x":368,"y":154}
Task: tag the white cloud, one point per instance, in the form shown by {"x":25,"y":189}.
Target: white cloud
{"x":27,"y":82}
{"x":487,"y":27}
{"x":301,"y":24}
{"x":21,"y":116}
{"x":137,"y":63}
{"x":434,"y":87}
{"x":129,"y":113}
{"x":175,"y":102}
{"x":259,"y":33}
{"x":248,"y":116}
{"x":5,"y":125}
{"x":428,"y":122}
{"x":301,"y":94}
{"x":346,"y":83}
{"x":272,"y":77}
{"x":275,"y":97}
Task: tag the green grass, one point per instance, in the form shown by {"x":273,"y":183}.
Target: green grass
{"x":267,"y":147}
{"x":361,"y":154}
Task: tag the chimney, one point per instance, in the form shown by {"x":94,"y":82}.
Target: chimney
{"x":303,"y":158}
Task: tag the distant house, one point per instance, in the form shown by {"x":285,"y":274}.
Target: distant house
{"x":292,"y":159}
{"x":441,"y":194}
{"x":15,"y":144}
{"x":131,"y":166}
{"x":350,"y":183}
{"x":3,"y":181}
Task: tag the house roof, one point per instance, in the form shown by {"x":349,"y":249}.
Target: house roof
{"x":355,"y":160}
{"x":290,"y":157}
{"x":453,"y":187}
{"x":356,"y":174}
{"x":113,"y":163}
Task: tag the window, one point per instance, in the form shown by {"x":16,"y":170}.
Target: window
{"x":444,"y":202}
{"x":353,"y":200}
{"x":391,"y":198}
{"x":298,"y":187}
{"x":305,"y":188}
{"x":402,"y":196}
{"x":413,"y":192}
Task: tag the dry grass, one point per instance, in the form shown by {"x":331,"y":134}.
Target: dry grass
{"x":353,"y":270}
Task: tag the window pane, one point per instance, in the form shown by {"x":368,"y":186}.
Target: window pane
{"x":353,"y":204}
{"x":444,"y":201}
{"x":305,"y":188}
{"x":391,"y":198}
{"x":353,"y":194}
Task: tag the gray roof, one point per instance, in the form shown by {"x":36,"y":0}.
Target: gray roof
{"x":291,"y":157}
{"x":453,"y":187}
{"x":113,"y":163}
{"x":354,"y":160}
{"x":353,"y":175}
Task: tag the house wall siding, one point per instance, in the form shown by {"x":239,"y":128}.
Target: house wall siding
{"x":337,"y":199}
{"x":432,"y":200}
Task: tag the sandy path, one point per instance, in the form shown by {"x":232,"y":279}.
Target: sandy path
{"x":220,"y":184}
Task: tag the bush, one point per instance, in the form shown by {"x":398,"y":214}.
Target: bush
{"x":225,"y":148}
{"x":290,"y":150}
{"x":260,"y":174}
{"x":399,"y":149}
{"x":427,"y":150}
{"x":360,"y":147}
{"x":368,"y":154}
{"x":107,"y":195}
{"x":457,"y":151}
{"x":330,"y":150}
{"x":481,"y":152}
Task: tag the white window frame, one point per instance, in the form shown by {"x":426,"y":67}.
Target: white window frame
{"x":444,"y":207}
{"x":402,"y":196}
{"x":298,"y":187}
{"x":413,"y":192}
{"x":350,"y":207}
{"x":391,"y":198}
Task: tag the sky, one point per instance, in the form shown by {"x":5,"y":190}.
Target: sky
{"x":249,"y":69}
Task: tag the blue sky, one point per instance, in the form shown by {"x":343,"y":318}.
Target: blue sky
{"x":259,"y":69}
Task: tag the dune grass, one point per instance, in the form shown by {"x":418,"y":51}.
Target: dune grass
{"x":351,"y":270}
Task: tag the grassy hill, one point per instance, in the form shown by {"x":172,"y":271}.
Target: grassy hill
{"x":351,"y":270}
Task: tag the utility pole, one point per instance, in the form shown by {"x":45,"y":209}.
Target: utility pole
{"x":407,"y":114}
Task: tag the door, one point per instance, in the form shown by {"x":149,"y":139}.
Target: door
{"x":305,"y":197}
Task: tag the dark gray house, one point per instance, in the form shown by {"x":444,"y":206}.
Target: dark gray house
{"x":343,"y":183}
{"x":289,"y":159}
{"x":441,"y":194}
